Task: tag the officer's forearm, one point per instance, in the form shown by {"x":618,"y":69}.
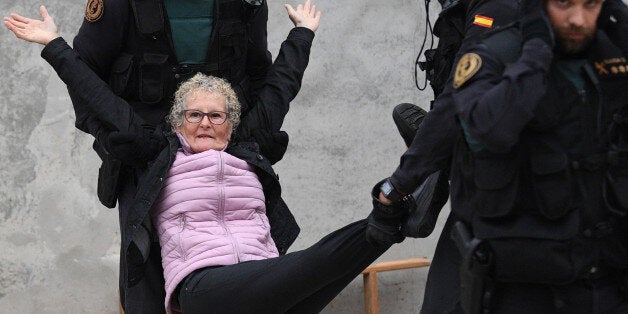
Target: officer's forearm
{"x":431,"y":148}
{"x":496,"y":104}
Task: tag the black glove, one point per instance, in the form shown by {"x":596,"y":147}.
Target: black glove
{"x":136,"y":147}
{"x":613,"y":14}
{"x":535,"y":23}
{"x":613,"y":20}
{"x":384,"y":222}
{"x":272,"y":145}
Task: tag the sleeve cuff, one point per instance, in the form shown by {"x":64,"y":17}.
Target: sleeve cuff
{"x":301,"y":33}
{"x":54,"y":47}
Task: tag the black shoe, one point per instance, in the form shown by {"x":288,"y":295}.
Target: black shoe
{"x":429,"y":198}
{"x":408,"y":117}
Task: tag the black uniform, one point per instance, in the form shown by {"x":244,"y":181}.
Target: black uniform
{"x":130,"y":46}
{"x":540,"y":179}
{"x":128,"y":43}
{"x":432,"y":147}
{"x":431,"y":150}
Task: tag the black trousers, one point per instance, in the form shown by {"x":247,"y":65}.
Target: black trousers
{"x":299,"y":282}
{"x":606,"y":294}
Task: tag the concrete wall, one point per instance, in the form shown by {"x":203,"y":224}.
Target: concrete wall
{"x":59,"y":246}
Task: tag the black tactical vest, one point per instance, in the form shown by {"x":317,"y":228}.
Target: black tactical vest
{"x":147,"y":73}
{"x":449,"y":28}
{"x":554,"y":208}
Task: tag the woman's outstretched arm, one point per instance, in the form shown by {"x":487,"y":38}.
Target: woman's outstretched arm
{"x":121,"y":128}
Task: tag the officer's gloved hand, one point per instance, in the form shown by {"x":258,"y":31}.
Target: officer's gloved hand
{"x":272,"y":145}
{"x":384,"y":222}
{"x":614,"y":13}
{"x":535,"y":23}
{"x":135,"y":147}
{"x":613,"y":20}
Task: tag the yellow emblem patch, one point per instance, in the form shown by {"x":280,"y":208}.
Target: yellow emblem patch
{"x":94,"y":10}
{"x":611,"y":67}
{"x":468,"y":65}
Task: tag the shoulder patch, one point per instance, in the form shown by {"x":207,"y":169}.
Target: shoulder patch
{"x":94,"y":10}
{"x":468,"y":65}
{"x":484,"y":21}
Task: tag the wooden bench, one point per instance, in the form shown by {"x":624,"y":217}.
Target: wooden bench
{"x":371,"y":303}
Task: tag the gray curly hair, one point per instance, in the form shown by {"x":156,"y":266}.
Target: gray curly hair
{"x":206,"y":83}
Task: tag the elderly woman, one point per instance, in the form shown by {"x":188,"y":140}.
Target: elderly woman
{"x":207,"y":195}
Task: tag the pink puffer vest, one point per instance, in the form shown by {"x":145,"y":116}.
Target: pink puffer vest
{"x":210,"y":212}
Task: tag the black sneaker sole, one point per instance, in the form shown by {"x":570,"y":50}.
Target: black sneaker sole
{"x":408,"y":118}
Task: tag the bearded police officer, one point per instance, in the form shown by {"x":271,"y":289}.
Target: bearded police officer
{"x":144,"y":49}
{"x":536,"y":193}
{"x":539,"y":179}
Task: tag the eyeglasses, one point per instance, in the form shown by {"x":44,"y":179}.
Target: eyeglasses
{"x":196,"y":116}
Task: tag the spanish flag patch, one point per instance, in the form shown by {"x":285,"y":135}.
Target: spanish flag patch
{"x":483,"y":21}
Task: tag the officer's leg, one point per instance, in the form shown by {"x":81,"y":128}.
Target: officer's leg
{"x":443,"y":279}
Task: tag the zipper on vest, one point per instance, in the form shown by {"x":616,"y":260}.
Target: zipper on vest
{"x":221,"y":208}
{"x":181,"y":229}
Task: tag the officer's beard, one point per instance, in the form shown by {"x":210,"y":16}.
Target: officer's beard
{"x":569,"y":46}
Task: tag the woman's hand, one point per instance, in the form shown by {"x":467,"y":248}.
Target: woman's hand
{"x":304,"y":16}
{"x":41,"y":32}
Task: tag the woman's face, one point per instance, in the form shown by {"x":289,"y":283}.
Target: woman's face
{"x":205,"y":134}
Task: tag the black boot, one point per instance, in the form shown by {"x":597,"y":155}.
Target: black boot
{"x":407,"y":118}
{"x":428,"y":200}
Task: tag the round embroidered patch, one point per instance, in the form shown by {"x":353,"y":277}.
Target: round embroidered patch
{"x":468,"y":65}
{"x":94,"y":10}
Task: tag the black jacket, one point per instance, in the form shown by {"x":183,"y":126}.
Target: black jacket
{"x":130,"y":47}
{"x":433,"y":144}
{"x":550,"y":172}
{"x":157,"y":148}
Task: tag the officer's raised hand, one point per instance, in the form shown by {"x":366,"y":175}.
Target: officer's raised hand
{"x":535,"y":23}
{"x":37,"y":31}
{"x":305,"y":15}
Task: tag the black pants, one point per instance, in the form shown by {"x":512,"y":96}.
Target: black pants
{"x":298,"y":282}
{"x":599,"y":296}
{"x":591,"y":296}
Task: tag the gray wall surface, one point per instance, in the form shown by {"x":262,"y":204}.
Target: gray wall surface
{"x":59,"y":246}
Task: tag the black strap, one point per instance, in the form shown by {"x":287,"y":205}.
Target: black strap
{"x":151,"y":19}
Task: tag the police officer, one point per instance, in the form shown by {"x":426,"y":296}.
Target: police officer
{"x":424,"y":166}
{"x":144,"y":49}
{"x":430,"y":151}
{"x":459,"y":20}
{"x":537,"y":176}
